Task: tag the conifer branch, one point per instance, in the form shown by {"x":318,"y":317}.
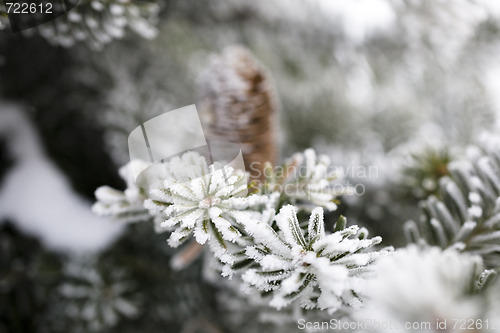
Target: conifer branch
{"x":465,"y":214}
{"x":287,"y":259}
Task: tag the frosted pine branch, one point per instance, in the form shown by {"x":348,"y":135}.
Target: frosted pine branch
{"x":287,"y":260}
{"x":124,"y":206}
{"x":97,"y":295}
{"x":99,"y":22}
{"x":207,"y":206}
{"x":426,"y":284}
{"x":466,"y":213}
{"x":305,"y":179}
{"x":316,"y":269}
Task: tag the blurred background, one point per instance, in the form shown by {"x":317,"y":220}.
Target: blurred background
{"x":398,"y":87}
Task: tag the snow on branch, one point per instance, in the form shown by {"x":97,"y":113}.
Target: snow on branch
{"x":317,"y":269}
{"x":287,"y":259}
{"x":465,"y":214}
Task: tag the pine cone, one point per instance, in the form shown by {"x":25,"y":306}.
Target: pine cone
{"x":238,"y":105}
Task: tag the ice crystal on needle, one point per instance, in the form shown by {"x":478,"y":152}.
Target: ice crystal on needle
{"x":313,"y":267}
{"x":125,"y":206}
{"x":208,"y":205}
{"x":304,"y":179}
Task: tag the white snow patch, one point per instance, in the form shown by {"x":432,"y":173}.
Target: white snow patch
{"x":38,"y":198}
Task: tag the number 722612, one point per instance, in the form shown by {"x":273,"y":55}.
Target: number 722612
{"x":28,"y":8}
